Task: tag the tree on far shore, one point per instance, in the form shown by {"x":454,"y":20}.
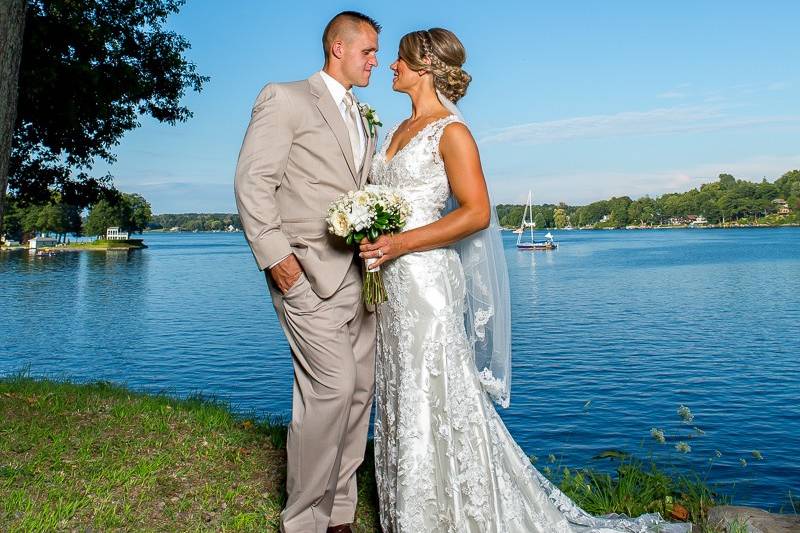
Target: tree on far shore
{"x":129,"y":212}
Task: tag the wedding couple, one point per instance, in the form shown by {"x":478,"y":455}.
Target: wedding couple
{"x":437,"y":353}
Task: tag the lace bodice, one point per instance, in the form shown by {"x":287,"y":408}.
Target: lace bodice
{"x":417,"y":172}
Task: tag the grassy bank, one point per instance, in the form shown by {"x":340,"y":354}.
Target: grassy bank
{"x":100,"y":457}
{"x":102,"y":244}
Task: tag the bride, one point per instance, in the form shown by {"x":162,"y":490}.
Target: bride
{"x":444,"y":460}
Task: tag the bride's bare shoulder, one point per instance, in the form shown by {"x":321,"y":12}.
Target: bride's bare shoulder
{"x":456,"y":137}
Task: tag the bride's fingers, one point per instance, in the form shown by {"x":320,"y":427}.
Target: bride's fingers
{"x":370,"y":254}
{"x":367,"y":246}
{"x":382,"y":260}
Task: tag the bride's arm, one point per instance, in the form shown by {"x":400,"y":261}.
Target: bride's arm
{"x":462,"y":164}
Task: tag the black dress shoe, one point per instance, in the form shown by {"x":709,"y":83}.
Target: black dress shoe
{"x":343,"y":528}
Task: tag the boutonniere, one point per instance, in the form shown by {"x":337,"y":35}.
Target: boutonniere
{"x":371,"y":116}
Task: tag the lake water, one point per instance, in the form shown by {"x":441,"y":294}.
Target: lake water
{"x":634,"y":323}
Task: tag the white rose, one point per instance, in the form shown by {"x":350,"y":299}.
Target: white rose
{"x":362,"y":198}
{"x":340,"y":224}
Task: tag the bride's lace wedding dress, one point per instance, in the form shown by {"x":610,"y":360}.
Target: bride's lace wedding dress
{"x":444,"y":460}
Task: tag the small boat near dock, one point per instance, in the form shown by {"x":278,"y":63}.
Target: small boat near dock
{"x":528,"y":223}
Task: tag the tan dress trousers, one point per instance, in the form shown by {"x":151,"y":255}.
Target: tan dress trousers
{"x":333,"y":351}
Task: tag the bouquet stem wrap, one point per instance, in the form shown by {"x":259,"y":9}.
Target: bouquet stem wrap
{"x":373,"y":291}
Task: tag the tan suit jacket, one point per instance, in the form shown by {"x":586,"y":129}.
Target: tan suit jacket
{"x":295,"y":160}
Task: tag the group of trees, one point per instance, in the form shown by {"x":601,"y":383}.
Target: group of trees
{"x":74,"y":77}
{"x":129,"y":212}
{"x":725,"y":200}
{"x":196,"y":221}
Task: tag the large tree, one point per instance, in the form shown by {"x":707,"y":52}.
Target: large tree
{"x":12,"y":24}
{"x":89,"y":70}
{"x":129,"y":212}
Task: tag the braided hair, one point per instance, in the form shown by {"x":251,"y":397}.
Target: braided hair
{"x":439,"y":52}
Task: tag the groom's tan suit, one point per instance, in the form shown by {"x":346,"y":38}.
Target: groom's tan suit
{"x":295,"y":160}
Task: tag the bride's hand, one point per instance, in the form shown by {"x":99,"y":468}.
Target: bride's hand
{"x":386,"y":248}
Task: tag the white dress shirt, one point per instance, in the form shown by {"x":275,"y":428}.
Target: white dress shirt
{"x":337,"y":91}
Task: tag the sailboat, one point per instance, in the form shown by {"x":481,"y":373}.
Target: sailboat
{"x":527,"y":222}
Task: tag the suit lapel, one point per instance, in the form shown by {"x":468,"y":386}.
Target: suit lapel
{"x":369,"y":150}
{"x":371,"y":142}
{"x":327,"y":107}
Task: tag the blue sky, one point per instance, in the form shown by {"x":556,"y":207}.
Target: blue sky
{"x":578,"y":101}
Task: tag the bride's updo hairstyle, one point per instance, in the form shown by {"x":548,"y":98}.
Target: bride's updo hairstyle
{"x":444,"y":54}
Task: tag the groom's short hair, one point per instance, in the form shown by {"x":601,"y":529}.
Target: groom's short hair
{"x":343,"y":22}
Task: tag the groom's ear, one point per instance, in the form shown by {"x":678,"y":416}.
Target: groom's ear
{"x":337,"y":49}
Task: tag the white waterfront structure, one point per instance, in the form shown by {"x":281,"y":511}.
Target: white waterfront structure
{"x":40,"y":242}
{"x":114,"y":234}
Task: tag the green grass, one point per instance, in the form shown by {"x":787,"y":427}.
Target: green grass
{"x":636,"y":488}
{"x":104,"y":244}
{"x":100,"y":457}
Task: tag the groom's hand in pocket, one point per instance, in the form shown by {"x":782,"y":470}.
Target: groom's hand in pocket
{"x":286,"y":273}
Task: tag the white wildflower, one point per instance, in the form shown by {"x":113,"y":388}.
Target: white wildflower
{"x":683,"y":447}
{"x":658,"y":434}
{"x":685,"y":413}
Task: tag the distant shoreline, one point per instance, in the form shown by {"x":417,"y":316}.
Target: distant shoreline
{"x":683,"y":226}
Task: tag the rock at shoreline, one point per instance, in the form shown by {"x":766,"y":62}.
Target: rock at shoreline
{"x":756,"y":520}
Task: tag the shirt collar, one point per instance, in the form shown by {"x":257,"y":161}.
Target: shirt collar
{"x":336,"y":89}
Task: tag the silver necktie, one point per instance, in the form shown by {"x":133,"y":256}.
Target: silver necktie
{"x":352,"y":121}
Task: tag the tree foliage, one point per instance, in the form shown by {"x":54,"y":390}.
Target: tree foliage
{"x":724,"y":200}
{"x":130,"y":212}
{"x":196,"y":221}
{"x":54,"y":217}
{"x":89,"y":70}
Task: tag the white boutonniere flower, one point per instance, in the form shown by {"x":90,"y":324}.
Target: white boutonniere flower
{"x":371,"y":116}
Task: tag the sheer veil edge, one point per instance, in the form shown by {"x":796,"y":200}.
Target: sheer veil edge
{"x":487,"y":311}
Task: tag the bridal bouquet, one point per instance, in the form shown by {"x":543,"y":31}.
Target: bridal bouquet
{"x":368,"y":213}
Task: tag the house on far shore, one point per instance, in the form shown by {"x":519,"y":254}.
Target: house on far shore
{"x":114,"y":234}
{"x":5,"y":241}
{"x":783,"y":206}
{"x":41,"y":242}
{"x":697,"y":220}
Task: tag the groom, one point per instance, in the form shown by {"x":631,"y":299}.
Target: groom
{"x":306,"y":144}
